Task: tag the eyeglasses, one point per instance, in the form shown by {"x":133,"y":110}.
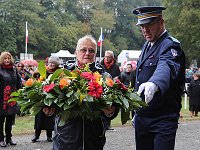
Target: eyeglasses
{"x":90,"y":51}
{"x":20,"y":66}
{"x":108,"y":56}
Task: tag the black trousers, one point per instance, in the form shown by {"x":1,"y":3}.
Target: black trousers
{"x":8,"y":126}
{"x":38,"y":132}
{"x":79,"y":134}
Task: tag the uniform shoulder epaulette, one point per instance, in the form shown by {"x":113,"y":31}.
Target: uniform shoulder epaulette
{"x":174,"y":39}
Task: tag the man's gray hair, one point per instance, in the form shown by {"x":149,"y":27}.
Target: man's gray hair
{"x":86,"y":38}
{"x":110,"y":52}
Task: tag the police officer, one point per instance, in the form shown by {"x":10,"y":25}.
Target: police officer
{"x":159,"y":81}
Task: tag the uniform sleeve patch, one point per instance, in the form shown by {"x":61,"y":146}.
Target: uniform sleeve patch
{"x":174,"y":39}
{"x":174,"y":52}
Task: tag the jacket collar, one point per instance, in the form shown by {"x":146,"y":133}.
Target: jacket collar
{"x":152,"y":49}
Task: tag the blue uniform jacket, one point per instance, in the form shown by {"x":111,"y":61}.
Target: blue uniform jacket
{"x":164,"y":65}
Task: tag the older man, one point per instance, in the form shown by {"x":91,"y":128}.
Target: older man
{"x":112,"y":68}
{"x":79,"y":133}
{"x":110,"y":65}
{"x":160,"y":80}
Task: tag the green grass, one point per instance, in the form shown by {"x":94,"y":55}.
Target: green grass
{"x":25,"y":124}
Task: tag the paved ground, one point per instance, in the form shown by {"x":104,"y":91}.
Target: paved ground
{"x":188,"y":138}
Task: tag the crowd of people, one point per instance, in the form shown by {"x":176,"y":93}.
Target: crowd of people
{"x":159,"y":79}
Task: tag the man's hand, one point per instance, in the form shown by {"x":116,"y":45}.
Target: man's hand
{"x":149,"y":90}
{"x":48,"y":111}
{"x":109,"y":111}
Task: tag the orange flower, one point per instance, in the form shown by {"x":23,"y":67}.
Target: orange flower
{"x":109,"y":82}
{"x":97,"y":75}
{"x":29,"y":82}
{"x":64,"y":82}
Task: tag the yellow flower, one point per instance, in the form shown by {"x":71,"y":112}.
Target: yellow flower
{"x":74,"y":74}
{"x":99,"y":82}
{"x":97,"y":75}
{"x":81,"y":97}
{"x":42,"y":78}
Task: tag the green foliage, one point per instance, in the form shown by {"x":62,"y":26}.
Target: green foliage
{"x":42,"y":69}
{"x":79,"y":93}
{"x":183,"y":19}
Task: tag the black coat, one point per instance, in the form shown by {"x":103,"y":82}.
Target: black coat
{"x":194,"y":95}
{"x":10,"y":81}
{"x":128,"y":78}
{"x":114,"y":70}
{"x":70,"y":136}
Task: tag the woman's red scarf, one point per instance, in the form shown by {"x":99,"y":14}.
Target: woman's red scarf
{"x":7,"y":66}
{"x":108,"y":65}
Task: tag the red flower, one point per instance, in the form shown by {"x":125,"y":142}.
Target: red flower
{"x":95,"y":89}
{"x":87,"y":75}
{"x":48,"y":88}
{"x":7,"y":88}
{"x":12,"y":103}
{"x":121,"y":85}
{"x":4,"y":106}
{"x":6,"y":98}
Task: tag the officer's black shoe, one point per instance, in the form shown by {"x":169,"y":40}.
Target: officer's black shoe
{"x":2,"y":144}
{"x":49,"y":139}
{"x":35,"y":139}
{"x":11,"y":142}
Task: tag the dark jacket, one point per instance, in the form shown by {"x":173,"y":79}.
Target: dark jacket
{"x":194,"y":95}
{"x":114,"y":70}
{"x":128,"y":78}
{"x":164,"y":65}
{"x":10,"y":81}
{"x":79,"y":132}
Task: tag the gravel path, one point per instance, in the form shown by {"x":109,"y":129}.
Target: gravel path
{"x":188,"y":138}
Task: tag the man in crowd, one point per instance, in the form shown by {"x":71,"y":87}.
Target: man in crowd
{"x":128,"y":76}
{"x":112,"y":68}
{"x":160,"y":79}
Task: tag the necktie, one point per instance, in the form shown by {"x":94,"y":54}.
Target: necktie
{"x":146,"y":50}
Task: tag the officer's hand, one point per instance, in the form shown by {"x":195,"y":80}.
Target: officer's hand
{"x":149,"y":90}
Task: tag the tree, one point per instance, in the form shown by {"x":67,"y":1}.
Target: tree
{"x":183,"y":22}
{"x":7,"y":38}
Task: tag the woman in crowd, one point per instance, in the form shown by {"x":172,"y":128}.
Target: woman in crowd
{"x":25,"y":74}
{"x":194,"y":95}
{"x":9,"y":81}
{"x":44,"y":120}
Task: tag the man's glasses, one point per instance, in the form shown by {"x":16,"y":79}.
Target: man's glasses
{"x":20,"y":66}
{"x":91,"y":51}
{"x":108,"y":56}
